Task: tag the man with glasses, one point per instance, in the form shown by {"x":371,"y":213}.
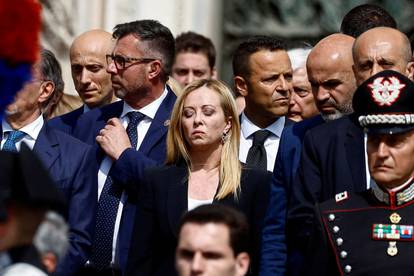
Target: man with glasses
{"x":128,"y":135}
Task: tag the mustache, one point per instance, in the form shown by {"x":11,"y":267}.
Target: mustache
{"x":344,"y":108}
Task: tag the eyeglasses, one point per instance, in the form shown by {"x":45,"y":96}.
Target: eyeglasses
{"x":120,"y":61}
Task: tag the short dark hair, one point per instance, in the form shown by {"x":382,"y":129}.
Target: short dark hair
{"x":221,"y":214}
{"x":250,"y":46}
{"x":51,"y":71}
{"x":196,"y":43}
{"x":158,"y":37}
{"x":365,"y":17}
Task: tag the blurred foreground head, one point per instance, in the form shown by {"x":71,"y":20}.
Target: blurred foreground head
{"x":26,"y":193}
{"x":19,"y":31}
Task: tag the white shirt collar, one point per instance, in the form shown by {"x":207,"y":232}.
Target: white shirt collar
{"x":149,"y":110}
{"x":32,"y":129}
{"x":248,"y":127}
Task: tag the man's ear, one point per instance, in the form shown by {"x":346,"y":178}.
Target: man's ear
{"x":410,"y":70}
{"x":155,"y":68}
{"x":241,"y":85}
{"x":242,"y":263}
{"x":46,"y":90}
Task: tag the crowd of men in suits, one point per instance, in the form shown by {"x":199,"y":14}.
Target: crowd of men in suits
{"x":97,"y":154}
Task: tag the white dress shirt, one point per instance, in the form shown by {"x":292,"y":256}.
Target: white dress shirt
{"x":32,"y":131}
{"x":194,"y":203}
{"x":149,"y":111}
{"x":271,"y":144}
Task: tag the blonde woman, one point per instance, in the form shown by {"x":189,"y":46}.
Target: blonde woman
{"x":202,"y":168}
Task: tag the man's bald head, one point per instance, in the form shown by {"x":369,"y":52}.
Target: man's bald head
{"x":380,"y":49}
{"x":88,"y":64}
{"x":329,"y":67}
{"x":93,"y":40}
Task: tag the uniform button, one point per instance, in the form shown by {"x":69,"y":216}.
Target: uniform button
{"x":331,"y":217}
{"x":343,"y":254}
{"x":348,"y":268}
{"x":336,"y":229}
{"x":339,"y":241}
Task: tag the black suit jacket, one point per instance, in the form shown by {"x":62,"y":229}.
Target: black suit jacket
{"x":332,"y":161}
{"x":163,"y":202}
{"x":359,"y":252}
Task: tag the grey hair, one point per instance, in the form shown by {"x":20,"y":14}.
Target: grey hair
{"x":52,"y":235}
{"x":298,"y":57}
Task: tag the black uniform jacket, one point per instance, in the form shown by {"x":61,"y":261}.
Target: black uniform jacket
{"x":370,"y":233}
{"x":164,"y":201}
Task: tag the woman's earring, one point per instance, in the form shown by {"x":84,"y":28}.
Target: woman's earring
{"x":224,"y":137}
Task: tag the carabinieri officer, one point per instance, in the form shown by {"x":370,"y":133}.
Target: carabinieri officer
{"x":372,"y":233}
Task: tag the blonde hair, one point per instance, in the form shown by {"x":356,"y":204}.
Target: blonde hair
{"x":177,"y":147}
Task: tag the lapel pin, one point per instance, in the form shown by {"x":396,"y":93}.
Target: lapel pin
{"x":166,"y":122}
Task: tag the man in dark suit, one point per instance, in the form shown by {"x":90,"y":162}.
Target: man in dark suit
{"x":130,"y":134}
{"x":92,"y":82}
{"x":68,"y":160}
{"x":263,"y":76}
{"x":333,"y":156}
{"x":330,"y":73}
{"x":371,"y":233}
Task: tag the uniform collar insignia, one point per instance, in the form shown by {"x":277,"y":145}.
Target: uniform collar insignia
{"x":394,"y":198}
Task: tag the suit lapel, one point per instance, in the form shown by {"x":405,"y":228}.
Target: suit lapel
{"x":159,"y":125}
{"x":177,"y":197}
{"x":355,"y":153}
{"x":47,"y":147}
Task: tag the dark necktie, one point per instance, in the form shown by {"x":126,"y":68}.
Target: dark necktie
{"x":108,"y":207}
{"x":256,"y":157}
{"x":12,"y":139}
{"x":134,"y":118}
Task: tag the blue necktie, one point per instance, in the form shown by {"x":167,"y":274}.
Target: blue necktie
{"x":14,"y":136}
{"x":134,"y":118}
{"x":108,"y":207}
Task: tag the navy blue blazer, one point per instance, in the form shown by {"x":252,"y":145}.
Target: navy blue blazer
{"x":274,"y":252}
{"x":70,"y":164}
{"x":66,"y":122}
{"x":127,"y":171}
{"x":332,"y":161}
{"x":163,"y":201}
